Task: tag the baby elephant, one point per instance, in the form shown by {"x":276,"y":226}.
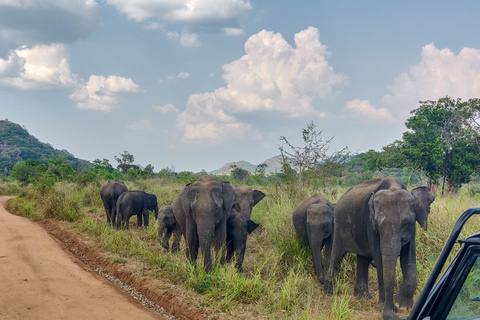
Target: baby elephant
{"x":137,"y":203}
{"x":313,"y":221}
{"x":238,"y":228}
{"x":167,"y":224}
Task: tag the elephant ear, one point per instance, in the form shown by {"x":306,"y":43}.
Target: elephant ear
{"x":371,"y":209}
{"x":251,"y":226}
{"x":257,"y":196}
{"x":423,"y":200}
{"x":331,"y":205}
{"x":186,"y":199}
{"x":228,"y":195}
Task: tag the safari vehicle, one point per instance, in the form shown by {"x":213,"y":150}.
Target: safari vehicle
{"x":456,"y":294}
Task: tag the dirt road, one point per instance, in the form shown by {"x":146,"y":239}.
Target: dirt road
{"x":40,"y":280}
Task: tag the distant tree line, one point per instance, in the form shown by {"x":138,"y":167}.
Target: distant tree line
{"x":441,"y":148}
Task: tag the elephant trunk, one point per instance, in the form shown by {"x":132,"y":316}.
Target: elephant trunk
{"x":205,"y":231}
{"x":161,"y":231}
{"x":316,"y":239}
{"x":390,"y":249}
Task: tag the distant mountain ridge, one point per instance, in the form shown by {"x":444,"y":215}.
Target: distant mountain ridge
{"x":16,"y":144}
{"x":273,"y":166}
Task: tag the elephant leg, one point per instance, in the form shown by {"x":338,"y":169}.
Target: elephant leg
{"x":177,"y":235}
{"x":191,"y":238}
{"x":338,"y":252}
{"x":220,"y":239}
{"x":146,"y":218}
{"x":166,"y":237}
{"x":230,"y":251}
{"x":113,"y":214}
{"x":139,"y":219}
{"x":361,"y":281}
{"x":408,"y":264}
{"x":328,"y":242}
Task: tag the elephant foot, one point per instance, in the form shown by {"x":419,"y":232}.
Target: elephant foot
{"x":381,"y":308}
{"x":362,"y":293}
{"x":322,"y":280}
{"x":389,"y":315}
{"x":404,"y":301}
{"x":328,"y":287}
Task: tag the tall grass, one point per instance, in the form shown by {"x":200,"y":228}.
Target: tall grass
{"x":279,"y":279}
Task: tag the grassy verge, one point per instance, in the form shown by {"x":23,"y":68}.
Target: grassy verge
{"x":279,"y":279}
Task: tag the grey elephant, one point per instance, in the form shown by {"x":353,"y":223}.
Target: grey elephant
{"x":376,"y":220}
{"x":313,"y":222}
{"x":238,"y":229}
{"x":246,"y":199}
{"x":135,"y":203}
{"x":168,"y":225}
{"x":201,"y":210}
{"x":109,"y":194}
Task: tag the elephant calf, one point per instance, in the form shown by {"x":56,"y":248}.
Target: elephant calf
{"x":135,"y":203}
{"x":238,"y":228}
{"x":313,"y":222}
{"x":167,"y":224}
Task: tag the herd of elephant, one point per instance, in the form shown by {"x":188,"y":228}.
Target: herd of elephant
{"x":374,"y":220}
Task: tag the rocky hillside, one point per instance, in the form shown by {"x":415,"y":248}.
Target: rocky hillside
{"x":273,"y":166}
{"x":16,"y":144}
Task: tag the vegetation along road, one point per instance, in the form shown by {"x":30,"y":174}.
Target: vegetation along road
{"x":40,"y":279}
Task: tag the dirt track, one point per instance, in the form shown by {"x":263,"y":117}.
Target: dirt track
{"x":41,"y":279}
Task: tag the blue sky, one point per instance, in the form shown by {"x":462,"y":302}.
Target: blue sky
{"x":196,"y":84}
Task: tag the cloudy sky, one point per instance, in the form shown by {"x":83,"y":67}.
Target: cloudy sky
{"x":196,"y":84}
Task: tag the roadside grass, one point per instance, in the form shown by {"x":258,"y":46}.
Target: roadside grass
{"x":278,"y":280}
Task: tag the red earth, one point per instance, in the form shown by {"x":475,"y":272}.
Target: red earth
{"x":48,"y":272}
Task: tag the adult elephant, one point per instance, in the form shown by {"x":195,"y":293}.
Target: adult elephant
{"x":313,"y":222}
{"x":246,"y":199}
{"x":376,"y":220}
{"x":109,"y":194}
{"x":201,"y":209}
{"x":135,"y":203}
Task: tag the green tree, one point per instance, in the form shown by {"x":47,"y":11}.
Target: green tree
{"x":238,"y":173}
{"x":312,"y":161}
{"x":103,"y":165}
{"x":125,"y":162}
{"x":24,"y":171}
{"x":444,"y":139}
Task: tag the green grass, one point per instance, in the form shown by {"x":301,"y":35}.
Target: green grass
{"x":279,"y":279}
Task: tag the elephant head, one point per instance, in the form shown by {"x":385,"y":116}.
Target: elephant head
{"x":246,"y":199}
{"x":206,"y":204}
{"x":151,"y":203}
{"x":423,"y":200}
{"x":238,"y":230}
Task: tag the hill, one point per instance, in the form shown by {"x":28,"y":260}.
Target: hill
{"x":273,"y":165}
{"x":16,"y":144}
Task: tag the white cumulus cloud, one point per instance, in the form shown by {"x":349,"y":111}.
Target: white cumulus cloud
{"x":215,"y":16}
{"x":439,"y":73}
{"x":38,"y":67}
{"x":101,"y":94}
{"x":271,"y":76}
{"x":365,"y":109}
{"x":166,"y":108}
